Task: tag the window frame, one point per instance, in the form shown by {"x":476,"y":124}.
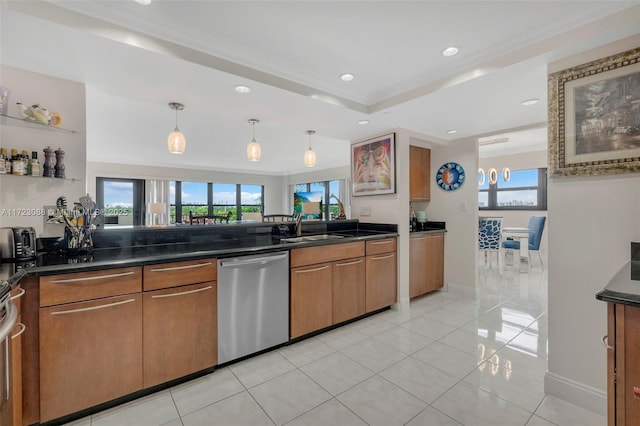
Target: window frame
{"x":138,"y":209}
{"x":178,"y":205}
{"x":541,"y":189}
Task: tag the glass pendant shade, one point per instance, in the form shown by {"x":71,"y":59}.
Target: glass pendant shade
{"x":310,"y":158}
{"x":253,"y":151}
{"x":310,"y":155}
{"x":481,"y":176}
{"x":506,"y":174}
{"x":176,"y":142}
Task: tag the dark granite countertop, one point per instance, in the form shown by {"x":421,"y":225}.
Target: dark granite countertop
{"x":170,"y":245}
{"x":622,"y":289}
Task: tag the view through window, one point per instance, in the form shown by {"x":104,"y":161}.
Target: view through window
{"x":330,"y":206}
{"x":526,"y":190}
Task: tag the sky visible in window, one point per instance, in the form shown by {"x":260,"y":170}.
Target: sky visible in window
{"x":194,"y":193}
{"x":118,"y":194}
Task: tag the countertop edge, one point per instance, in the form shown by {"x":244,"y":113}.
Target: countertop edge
{"x":621,"y":289}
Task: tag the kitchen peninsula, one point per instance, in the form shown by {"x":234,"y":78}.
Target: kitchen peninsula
{"x":79,"y":308}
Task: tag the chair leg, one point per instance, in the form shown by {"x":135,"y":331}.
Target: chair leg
{"x":541,"y":264}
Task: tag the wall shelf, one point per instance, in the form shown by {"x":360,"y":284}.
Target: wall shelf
{"x":12,"y":176}
{"x":7,"y":120}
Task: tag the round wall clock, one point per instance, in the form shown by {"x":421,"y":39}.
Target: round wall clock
{"x":450,"y":176}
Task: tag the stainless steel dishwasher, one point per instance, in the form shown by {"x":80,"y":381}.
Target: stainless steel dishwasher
{"x":253,"y":304}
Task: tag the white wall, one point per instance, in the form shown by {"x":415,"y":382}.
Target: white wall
{"x":529,"y":160}
{"x":28,"y":195}
{"x":275,"y":188}
{"x":592,"y":220}
{"x":459,"y":209}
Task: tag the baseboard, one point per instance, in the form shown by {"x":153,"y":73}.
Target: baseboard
{"x":402,"y":305}
{"x":461,"y":290}
{"x":576,"y":393}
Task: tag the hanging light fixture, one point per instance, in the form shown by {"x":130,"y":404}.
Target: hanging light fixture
{"x":253,"y":149}
{"x":493,"y":176}
{"x":310,"y":155}
{"x":176,"y":141}
{"x":506,"y":174}
{"x":481,"y":176}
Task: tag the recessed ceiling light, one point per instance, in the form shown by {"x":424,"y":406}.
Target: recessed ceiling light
{"x":242,"y":89}
{"x":530,"y":102}
{"x":450,"y":51}
{"x":452,"y":131}
{"x":143,"y":2}
{"x":363,"y":121}
{"x":346,"y":77}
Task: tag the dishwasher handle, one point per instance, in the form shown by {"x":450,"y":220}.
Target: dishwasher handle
{"x":253,"y":261}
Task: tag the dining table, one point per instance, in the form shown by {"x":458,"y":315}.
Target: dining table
{"x":522,"y":234}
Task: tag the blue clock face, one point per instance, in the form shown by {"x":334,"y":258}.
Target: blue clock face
{"x":450,"y":176}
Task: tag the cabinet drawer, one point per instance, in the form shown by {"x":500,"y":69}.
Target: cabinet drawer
{"x":386,"y":245}
{"x":165,"y":275}
{"x":79,"y":286}
{"x":326,"y":253}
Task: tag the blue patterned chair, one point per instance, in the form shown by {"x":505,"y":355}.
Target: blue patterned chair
{"x":536,"y":227}
{"x":490,"y":237}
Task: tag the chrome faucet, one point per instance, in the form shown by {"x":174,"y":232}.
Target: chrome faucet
{"x":299,"y":224}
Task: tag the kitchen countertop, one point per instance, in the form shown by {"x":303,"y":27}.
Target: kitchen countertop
{"x":218,"y":245}
{"x":622,"y":289}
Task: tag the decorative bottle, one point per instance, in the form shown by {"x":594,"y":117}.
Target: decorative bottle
{"x":3,"y":161}
{"x":34,"y":164}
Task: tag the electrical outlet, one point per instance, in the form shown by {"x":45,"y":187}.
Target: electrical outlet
{"x":365,"y":211}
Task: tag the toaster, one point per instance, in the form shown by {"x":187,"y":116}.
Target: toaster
{"x":17,"y":243}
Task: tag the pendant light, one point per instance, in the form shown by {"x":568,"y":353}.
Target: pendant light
{"x":493,"y":176}
{"x":253,"y":149}
{"x":481,"y":176}
{"x":310,"y":155}
{"x":176,"y":141}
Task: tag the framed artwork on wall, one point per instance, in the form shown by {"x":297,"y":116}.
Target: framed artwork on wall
{"x":594,"y":117}
{"x":373,"y":166}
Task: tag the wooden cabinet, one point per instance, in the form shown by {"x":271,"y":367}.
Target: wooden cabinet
{"x":179,"y":321}
{"x":381,"y":274}
{"x":90,"y":350}
{"x":348,"y":289}
{"x":327,"y":286}
{"x":419,"y":173}
{"x":623,"y":352}
{"x":311,"y":298}
{"x":426,"y":264}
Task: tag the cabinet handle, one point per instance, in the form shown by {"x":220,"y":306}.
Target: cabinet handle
{"x":177,"y":268}
{"x":97,"y":277}
{"x":93,"y":308}
{"x":182,"y":293}
{"x":21,"y":293}
{"x":22,"y":329}
{"x":382,"y":257}
{"x":605,"y":342}
{"x":355,"y":262}
{"x":312,"y":270}
{"x":636,"y":392}
{"x":418,"y":238}
{"x":377,"y":243}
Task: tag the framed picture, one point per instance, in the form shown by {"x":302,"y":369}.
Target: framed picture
{"x":373,"y":166}
{"x":594,"y":117}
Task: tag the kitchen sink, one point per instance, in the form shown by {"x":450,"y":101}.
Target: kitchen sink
{"x":311,"y":238}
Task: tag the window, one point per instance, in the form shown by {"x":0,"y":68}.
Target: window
{"x":329,"y":205}
{"x":121,"y":200}
{"x":203,"y":198}
{"x":526,"y":190}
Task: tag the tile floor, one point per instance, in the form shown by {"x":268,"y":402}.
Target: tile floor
{"x":449,"y":361}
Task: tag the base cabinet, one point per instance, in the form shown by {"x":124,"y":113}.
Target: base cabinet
{"x":90,"y":353}
{"x":426,"y":264}
{"x":348,"y":289}
{"x":311,"y":298}
{"x":179,"y":332}
{"x":381,"y":274}
{"x":623,"y":353}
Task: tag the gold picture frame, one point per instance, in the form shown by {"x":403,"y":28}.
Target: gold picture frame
{"x":594,"y":117}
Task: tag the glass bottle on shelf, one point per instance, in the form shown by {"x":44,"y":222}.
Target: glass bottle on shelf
{"x":17,"y":165}
{"x":3,"y":161}
{"x":27,"y":162}
{"x":34,"y":164}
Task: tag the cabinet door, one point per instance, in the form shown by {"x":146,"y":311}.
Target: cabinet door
{"x":348,"y":289}
{"x":311,"y":298}
{"x":90,"y":353}
{"x":180,"y":331}
{"x":627,"y":352}
{"x":418,"y":267}
{"x":381,"y":281}
{"x":419,"y":173}
{"x":435,"y":261}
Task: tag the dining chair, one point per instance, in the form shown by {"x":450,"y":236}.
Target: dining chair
{"x":278,"y":218}
{"x":490,"y":237}
{"x":536,"y":227}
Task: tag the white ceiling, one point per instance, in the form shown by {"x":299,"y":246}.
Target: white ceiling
{"x":135,"y":59}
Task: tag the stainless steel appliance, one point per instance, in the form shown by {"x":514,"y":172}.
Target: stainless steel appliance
{"x":253,"y":304}
{"x":18,"y":243}
{"x":8,"y":317}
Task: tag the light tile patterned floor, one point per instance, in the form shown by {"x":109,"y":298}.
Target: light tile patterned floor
{"x":449,"y":361}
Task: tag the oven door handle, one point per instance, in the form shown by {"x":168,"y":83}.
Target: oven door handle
{"x":8,"y":322}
